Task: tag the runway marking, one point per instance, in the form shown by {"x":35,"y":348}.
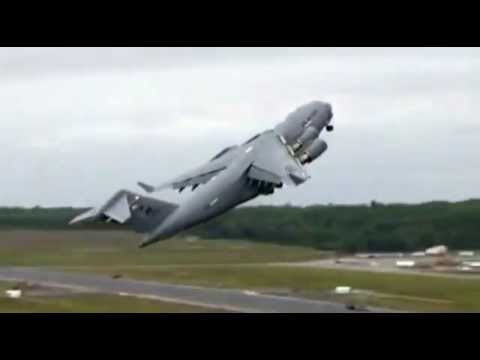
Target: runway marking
{"x":416,"y":298}
{"x":186,"y":302}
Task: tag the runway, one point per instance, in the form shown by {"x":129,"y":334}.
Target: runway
{"x":222,"y":299}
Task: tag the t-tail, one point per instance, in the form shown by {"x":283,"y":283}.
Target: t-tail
{"x":142,"y":214}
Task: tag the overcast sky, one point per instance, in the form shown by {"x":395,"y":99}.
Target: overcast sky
{"x":77,"y":124}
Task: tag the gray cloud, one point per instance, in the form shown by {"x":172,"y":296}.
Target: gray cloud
{"x":78,"y":123}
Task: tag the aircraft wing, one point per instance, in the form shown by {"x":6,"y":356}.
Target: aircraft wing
{"x":274,"y":162}
{"x":200,"y":175}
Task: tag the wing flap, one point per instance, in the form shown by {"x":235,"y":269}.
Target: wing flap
{"x":276,"y":163}
{"x":264,"y":175}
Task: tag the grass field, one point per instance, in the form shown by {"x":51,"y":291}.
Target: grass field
{"x":229,"y":263}
{"x":89,"y":303}
{"x":119,"y":248}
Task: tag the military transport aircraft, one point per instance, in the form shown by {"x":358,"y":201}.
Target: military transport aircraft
{"x":237,"y":174}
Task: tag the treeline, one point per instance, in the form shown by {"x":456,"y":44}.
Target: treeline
{"x":374,"y":227}
{"x":355,"y":228}
{"x":36,"y":218}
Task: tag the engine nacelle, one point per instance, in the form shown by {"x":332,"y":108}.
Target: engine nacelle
{"x":316,"y":148}
{"x":308,"y":136}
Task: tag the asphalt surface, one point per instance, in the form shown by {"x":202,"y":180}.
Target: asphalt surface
{"x":224,"y":299}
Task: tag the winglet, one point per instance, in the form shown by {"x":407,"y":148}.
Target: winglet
{"x":146,"y":187}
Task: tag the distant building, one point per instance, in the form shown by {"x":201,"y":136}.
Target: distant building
{"x":405,"y":263}
{"x":473,"y":264}
{"x":343,"y":290}
{"x":437,"y":250}
{"x":13,"y":294}
{"x":466,"y":253}
{"x":418,"y":253}
{"x":378,"y":255}
{"x":366,"y":256}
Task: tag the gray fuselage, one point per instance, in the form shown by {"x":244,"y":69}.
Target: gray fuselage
{"x":232,"y":186}
{"x":228,"y":189}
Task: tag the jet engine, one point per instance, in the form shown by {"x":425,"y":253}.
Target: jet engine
{"x":316,"y":148}
{"x":308,"y":136}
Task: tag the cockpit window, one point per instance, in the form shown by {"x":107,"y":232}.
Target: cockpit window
{"x":252,"y":139}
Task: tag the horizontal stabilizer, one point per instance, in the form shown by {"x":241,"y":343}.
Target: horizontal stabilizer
{"x":116,"y":208}
{"x":87,"y":215}
{"x":140,"y":213}
{"x":146,"y":187}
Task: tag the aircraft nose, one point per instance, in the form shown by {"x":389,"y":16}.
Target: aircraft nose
{"x":328,"y":110}
{"x":324,"y":110}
